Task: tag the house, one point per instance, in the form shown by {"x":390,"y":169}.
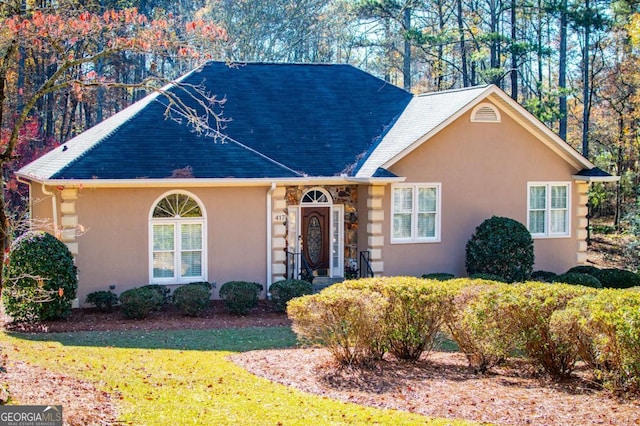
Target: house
{"x":322,"y":168}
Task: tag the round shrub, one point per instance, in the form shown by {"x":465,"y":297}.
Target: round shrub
{"x":138,"y":303}
{"x":578,"y":279}
{"x":503,"y":247}
{"x":543,"y":276}
{"x":192,"y":299}
{"x":617,"y":278}
{"x":40,"y":281}
{"x":439,"y":276}
{"x":285,"y":290}
{"x":344,"y":320}
{"x":488,"y":277}
{"x":163,"y":291}
{"x":240,"y":296}
{"x":103,"y":300}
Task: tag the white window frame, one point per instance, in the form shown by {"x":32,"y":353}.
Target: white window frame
{"x":177,"y":250}
{"x":414,"y":213}
{"x":547,"y":210}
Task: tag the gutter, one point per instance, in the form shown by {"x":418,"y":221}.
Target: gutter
{"x":590,"y":179}
{"x":210,"y":182}
{"x":269,"y":238}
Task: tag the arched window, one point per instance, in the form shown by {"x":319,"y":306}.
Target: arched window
{"x":177,"y":240}
{"x":316,"y":196}
{"x":485,"y":113}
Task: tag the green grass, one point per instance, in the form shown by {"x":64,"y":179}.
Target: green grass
{"x":184,"y":377}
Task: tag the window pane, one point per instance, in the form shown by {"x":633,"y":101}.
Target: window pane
{"x":426,"y":225}
{"x":559,"y":197}
{"x":537,"y":197}
{"x":163,"y":237}
{"x":163,"y":265}
{"x":536,"y":222}
{"x":191,"y":264}
{"x":558,"y":221}
{"x":402,"y":225}
{"x":191,"y":236}
{"x":427,"y":199}
{"x":403,"y":200}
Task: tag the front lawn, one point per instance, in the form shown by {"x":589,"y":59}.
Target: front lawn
{"x":184,"y":377}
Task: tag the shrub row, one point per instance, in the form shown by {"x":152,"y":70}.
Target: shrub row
{"x":192,"y":299}
{"x":552,"y":325}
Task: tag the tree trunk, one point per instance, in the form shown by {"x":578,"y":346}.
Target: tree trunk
{"x":406,"y":66}
{"x":586,"y":94}
{"x":562,"y":71}
{"x":463,"y":48}
{"x":514,"y":59}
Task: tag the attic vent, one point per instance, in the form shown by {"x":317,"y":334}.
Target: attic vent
{"x":485,"y":113}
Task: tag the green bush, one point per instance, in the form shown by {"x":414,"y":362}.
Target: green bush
{"x":415,"y":314}
{"x":285,"y":290}
{"x":40,"y":281}
{"x":192,"y":299}
{"x":138,"y":303}
{"x":488,"y":277}
{"x":503,"y":247}
{"x":163,"y":291}
{"x":344,"y":320}
{"x":543,"y":276}
{"x":584,"y":269}
{"x":617,"y":278}
{"x":578,"y":279}
{"x":605,"y":329}
{"x":439,"y":276}
{"x":240,"y":296}
{"x":475,"y":323}
{"x":103,"y":300}
{"x":526,"y":312}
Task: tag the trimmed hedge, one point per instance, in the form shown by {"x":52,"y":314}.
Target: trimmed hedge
{"x":543,"y":276}
{"x":163,"y":291}
{"x":439,"y":276}
{"x":554,"y":325}
{"x":605,"y":329}
{"x":475,"y":323}
{"x":138,"y":303}
{"x":576,"y":278}
{"x":40,"y":281}
{"x":346,"y":321}
{"x":192,"y":299}
{"x":103,"y":300}
{"x":610,"y":277}
{"x":240,"y":296}
{"x":501,"y":246}
{"x":285,"y":290}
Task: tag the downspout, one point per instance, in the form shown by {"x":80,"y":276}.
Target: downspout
{"x":30,"y":212}
{"x":269,"y":237}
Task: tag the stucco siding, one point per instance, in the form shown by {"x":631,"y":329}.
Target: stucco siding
{"x":114,"y":249}
{"x":483,"y":169}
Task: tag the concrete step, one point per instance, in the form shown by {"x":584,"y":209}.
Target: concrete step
{"x":320,"y":283}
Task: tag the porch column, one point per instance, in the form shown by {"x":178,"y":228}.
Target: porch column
{"x":278,"y":234}
{"x":581,"y":226}
{"x":375,"y":220}
{"x":69,"y":219}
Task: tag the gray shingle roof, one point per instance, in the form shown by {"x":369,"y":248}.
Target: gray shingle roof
{"x":287,"y":120}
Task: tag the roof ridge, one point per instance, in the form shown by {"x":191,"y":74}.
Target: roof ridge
{"x":459,"y":89}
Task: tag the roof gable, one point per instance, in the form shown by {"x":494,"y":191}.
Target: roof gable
{"x":426,"y":115}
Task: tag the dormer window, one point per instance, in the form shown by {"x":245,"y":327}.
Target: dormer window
{"x":485,"y":113}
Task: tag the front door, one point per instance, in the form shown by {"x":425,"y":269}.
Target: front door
{"x":315,"y":238}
